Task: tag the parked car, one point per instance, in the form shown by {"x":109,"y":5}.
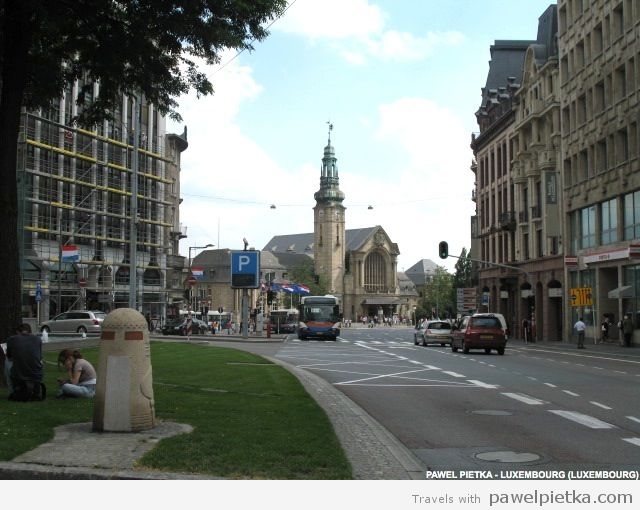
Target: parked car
{"x":179,"y":327}
{"x":433,"y":332}
{"x":75,"y":321}
{"x":479,"y":331}
{"x":503,"y":321}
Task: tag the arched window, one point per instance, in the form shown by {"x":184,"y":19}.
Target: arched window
{"x":375,"y":273}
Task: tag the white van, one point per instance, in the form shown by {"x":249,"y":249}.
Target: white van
{"x":502,"y":320}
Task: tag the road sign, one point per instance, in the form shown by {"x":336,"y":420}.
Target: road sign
{"x":220,"y":310}
{"x":38,"y":292}
{"x":581,"y":296}
{"x":245,"y":269}
{"x":192,"y":280}
{"x":82,"y":282}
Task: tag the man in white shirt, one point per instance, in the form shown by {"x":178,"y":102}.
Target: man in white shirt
{"x":580,"y":327}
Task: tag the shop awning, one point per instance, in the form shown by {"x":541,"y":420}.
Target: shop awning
{"x":382,"y":301}
{"x":624,"y":292}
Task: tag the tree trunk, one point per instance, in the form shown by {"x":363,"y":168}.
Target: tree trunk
{"x":15,"y":46}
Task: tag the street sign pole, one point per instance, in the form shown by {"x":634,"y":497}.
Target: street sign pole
{"x":245,"y":313}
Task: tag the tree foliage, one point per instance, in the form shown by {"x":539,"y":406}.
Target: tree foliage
{"x":463,"y":275}
{"x":438,"y":297}
{"x":129,"y":46}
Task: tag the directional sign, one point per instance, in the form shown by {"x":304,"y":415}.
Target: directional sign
{"x":38,"y":292}
{"x":581,"y":296}
{"x":245,"y":269}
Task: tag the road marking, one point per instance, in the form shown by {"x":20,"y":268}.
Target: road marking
{"x":600,"y":405}
{"x":571,"y":393}
{"x":592,"y":356}
{"x":483,"y":384}
{"x":633,"y":418}
{"x":532,"y":378}
{"x":381,"y":376}
{"x":454,"y":374}
{"x":583,"y":419}
{"x":619,"y":372}
{"x":431,"y":367}
{"x":550,"y":385}
{"x":524,"y":398}
{"x":632,"y":440}
{"x":415,"y":362}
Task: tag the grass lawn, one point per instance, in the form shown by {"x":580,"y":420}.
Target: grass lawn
{"x":251,"y":418}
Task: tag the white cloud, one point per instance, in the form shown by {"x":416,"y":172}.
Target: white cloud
{"x":332,"y":19}
{"x":356,"y":29}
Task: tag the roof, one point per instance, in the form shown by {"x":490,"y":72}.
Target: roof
{"x":303,"y":243}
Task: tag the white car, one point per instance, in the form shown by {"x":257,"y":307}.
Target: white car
{"x":433,"y":332}
{"x":502,"y":320}
{"x":75,"y":321}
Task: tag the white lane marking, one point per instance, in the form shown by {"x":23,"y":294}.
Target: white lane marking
{"x":598,"y":404}
{"x":571,"y":393}
{"x":381,"y":376}
{"x":632,"y":440}
{"x":431,"y":367}
{"x":550,"y":385}
{"x":415,"y":362}
{"x":453,"y":374}
{"x":583,"y":419}
{"x":619,"y":372}
{"x":532,"y":378}
{"x":482,"y":384}
{"x":524,"y":398}
{"x":592,"y":356}
{"x":598,"y":368}
{"x":633,"y":418}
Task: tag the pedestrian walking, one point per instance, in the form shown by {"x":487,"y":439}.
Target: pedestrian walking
{"x":627,"y":330}
{"x":604,"y":328}
{"x":580,"y":327}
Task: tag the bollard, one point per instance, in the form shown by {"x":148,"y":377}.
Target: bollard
{"x":268,"y":329}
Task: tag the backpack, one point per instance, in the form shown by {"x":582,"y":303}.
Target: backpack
{"x":25,"y":391}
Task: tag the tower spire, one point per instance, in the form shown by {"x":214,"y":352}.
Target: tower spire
{"x":330,"y":129}
{"x":329,"y":181}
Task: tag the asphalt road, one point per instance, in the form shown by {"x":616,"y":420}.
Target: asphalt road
{"x":536,"y":407}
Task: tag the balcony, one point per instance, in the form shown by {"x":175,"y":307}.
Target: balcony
{"x":507,"y":220}
{"x":536,"y":212}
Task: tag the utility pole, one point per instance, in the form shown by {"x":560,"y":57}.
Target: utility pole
{"x":133,"y":224}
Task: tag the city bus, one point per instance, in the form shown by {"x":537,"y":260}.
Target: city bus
{"x":284,"y":321}
{"x":319,"y":317}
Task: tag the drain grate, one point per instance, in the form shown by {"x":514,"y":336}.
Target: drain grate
{"x":507,"y":456}
{"x":490,"y":412}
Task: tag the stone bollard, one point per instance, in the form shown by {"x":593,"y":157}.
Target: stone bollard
{"x":124,"y":391}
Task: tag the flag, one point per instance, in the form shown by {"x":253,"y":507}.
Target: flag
{"x":276,"y":287}
{"x":301,"y":288}
{"x":198,"y":272}
{"x":70,"y":254}
{"x":289,"y":289}
{"x":68,"y":136}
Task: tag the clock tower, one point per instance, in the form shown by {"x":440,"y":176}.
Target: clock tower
{"x":328,"y":224}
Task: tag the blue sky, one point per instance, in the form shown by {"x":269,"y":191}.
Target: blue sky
{"x":400,"y":81}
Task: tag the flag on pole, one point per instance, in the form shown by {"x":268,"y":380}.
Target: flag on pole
{"x":198,"y":272}
{"x":68,"y":136}
{"x":70,"y":254}
{"x":301,"y":288}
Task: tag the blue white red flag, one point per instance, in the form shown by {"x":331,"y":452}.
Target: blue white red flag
{"x":198,"y":272}
{"x":289,"y":289}
{"x":70,"y":254}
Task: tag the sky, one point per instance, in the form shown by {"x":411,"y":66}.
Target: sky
{"x":399,"y":80}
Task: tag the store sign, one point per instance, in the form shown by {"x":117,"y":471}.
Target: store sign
{"x":604,"y":257}
{"x":551,"y":188}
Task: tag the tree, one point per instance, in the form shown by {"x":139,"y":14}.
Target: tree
{"x":304,"y":273}
{"x":145,"y":46}
{"x":463,"y":275}
{"x":438,"y":293}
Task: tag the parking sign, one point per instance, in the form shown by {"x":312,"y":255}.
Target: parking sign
{"x":245,"y":269}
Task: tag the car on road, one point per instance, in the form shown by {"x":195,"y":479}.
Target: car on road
{"x":179,"y":327}
{"x":479,"y":331}
{"x":433,"y":332}
{"x":75,"y":321}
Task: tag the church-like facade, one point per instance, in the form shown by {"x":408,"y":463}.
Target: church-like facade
{"x":359,"y":265}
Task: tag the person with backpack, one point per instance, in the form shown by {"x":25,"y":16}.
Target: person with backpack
{"x":24,"y":353}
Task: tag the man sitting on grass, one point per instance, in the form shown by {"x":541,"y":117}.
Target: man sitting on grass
{"x":24,"y":353}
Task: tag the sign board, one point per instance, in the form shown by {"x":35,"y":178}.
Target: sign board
{"x":82,"y":282}
{"x":581,"y":296}
{"x":245,"y":269}
{"x":38,"y":292}
{"x":192,"y":280}
{"x":466,"y":299}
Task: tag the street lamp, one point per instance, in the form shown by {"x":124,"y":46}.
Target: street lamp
{"x":189,"y":267}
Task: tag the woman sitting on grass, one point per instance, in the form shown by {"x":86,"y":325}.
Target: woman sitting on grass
{"x":81,"y":380}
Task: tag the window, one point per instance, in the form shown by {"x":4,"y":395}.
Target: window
{"x":588,"y":227}
{"x":622,"y":146}
{"x":609,"y":221}
{"x":375,"y":274}
{"x":582,"y":110}
{"x":620,"y":83}
{"x":601,"y":154}
{"x":598,"y":97}
{"x":617,"y":23}
{"x":597,"y":39}
{"x":632,"y":216}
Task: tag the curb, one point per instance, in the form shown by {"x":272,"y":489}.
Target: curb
{"x":374,"y":453}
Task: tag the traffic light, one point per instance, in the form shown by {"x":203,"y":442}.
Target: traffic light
{"x":443,"y":249}
{"x":269,"y":297}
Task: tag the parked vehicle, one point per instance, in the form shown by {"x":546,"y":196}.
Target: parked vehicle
{"x":433,"y":332}
{"x":479,"y":331}
{"x":503,"y":321}
{"x":179,"y":327}
{"x":75,"y":321}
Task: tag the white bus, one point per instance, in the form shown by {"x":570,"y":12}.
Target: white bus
{"x":284,"y":321}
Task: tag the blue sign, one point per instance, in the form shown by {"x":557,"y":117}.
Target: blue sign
{"x":38,"y":292}
{"x":245,"y":269}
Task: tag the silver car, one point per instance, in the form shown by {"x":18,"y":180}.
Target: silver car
{"x":433,"y":332}
{"x":75,"y":321}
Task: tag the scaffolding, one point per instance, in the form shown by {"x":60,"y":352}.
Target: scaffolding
{"x":75,"y":190}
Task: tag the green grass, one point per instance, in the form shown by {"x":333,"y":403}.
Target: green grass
{"x":251,"y":418}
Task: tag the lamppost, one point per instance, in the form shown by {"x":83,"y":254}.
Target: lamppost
{"x":189,"y":268}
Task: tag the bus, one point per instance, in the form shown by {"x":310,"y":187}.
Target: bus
{"x":319,"y":317}
{"x":284,"y":321}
